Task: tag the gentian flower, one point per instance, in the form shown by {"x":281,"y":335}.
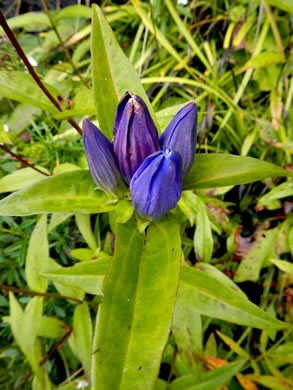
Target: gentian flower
{"x":180,"y":135}
{"x":100,"y":157}
{"x":153,"y":167}
{"x":157,"y":184}
{"x":135,"y":135}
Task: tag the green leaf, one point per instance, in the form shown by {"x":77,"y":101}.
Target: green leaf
{"x":283,"y":352}
{"x":88,"y":110}
{"x":37,"y":256}
{"x":203,"y":239}
{"x":220,"y":170}
{"x":20,"y":178}
{"x":284,"y":266}
{"x":52,"y":328}
{"x":211,"y":297}
{"x":67,"y":291}
{"x":272,"y":382}
{"x":70,"y":192}
{"x":32,"y":21}
{"x":22,"y":87}
{"x":113,"y":74}
{"x":76,"y":10}
{"x":84,"y":226}
{"x":124,"y":211}
{"x":25,"y":327}
{"x":221,"y":277}
{"x":66,"y":167}
{"x":187,"y":331}
{"x":57,"y":219}
{"x":281,"y":191}
{"x":83,"y":254}
{"x":160,"y":385}
{"x":264,"y":59}
{"x":285,"y":5}
{"x":233,"y":345}
{"x":22,"y":116}
{"x":87,"y":276}
{"x":83,"y":334}
{"x":262,"y":249}
{"x":72,"y":385}
{"x":139,"y":295}
{"x":212,"y":380}
{"x":211,"y":346}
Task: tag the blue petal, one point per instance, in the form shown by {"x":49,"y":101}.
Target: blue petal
{"x":157,"y":184}
{"x":101,"y":160}
{"x":180,"y":135}
{"x":135,"y":135}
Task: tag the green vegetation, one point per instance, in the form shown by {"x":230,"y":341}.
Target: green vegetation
{"x":222,"y":321}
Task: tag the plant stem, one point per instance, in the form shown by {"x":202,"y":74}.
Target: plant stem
{"x":22,"y":160}
{"x":45,"y":295}
{"x":62,"y":44}
{"x":47,"y":357}
{"x":36,"y":293}
{"x":22,"y":55}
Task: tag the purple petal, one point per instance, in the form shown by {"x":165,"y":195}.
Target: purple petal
{"x":101,"y":160}
{"x":135,"y":135}
{"x":180,"y":135}
{"x":157,"y":184}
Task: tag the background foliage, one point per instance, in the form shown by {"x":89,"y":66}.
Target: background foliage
{"x":234,"y":58}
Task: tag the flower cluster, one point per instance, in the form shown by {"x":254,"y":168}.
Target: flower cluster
{"x":153,"y":167}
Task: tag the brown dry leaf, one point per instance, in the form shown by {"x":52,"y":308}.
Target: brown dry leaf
{"x":214,"y":362}
{"x":246,"y":383}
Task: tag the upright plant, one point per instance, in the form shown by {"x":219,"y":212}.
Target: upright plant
{"x":147,"y":281}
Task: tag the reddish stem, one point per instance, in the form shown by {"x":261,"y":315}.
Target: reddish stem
{"x":22,"y":55}
{"x":43,"y":361}
{"x":23,"y":160}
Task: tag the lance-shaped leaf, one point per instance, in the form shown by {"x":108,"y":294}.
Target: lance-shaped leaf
{"x":20,"y":179}
{"x":134,"y":320}
{"x":212,"y":296}
{"x":82,"y":335}
{"x":70,"y":192}
{"x":211,"y":380}
{"x":113,"y":74}
{"x":207,"y":290}
{"x":19,"y":86}
{"x":37,"y":256}
{"x":220,"y":170}
{"x":25,"y":326}
{"x":87,"y":276}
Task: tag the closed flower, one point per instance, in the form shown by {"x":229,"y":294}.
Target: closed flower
{"x":135,"y":135}
{"x":157,"y":184}
{"x":180,"y":135}
{"x":153,"y":167}
{"x":101,"y":160}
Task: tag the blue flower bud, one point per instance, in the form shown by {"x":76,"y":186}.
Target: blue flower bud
{"x":157,"y":184}
{"x":180,"y":135}
{"x":100,"y":157}
{"x":135,"y":135}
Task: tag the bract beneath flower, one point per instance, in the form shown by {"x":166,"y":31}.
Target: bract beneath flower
{"x":157,"y":184}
